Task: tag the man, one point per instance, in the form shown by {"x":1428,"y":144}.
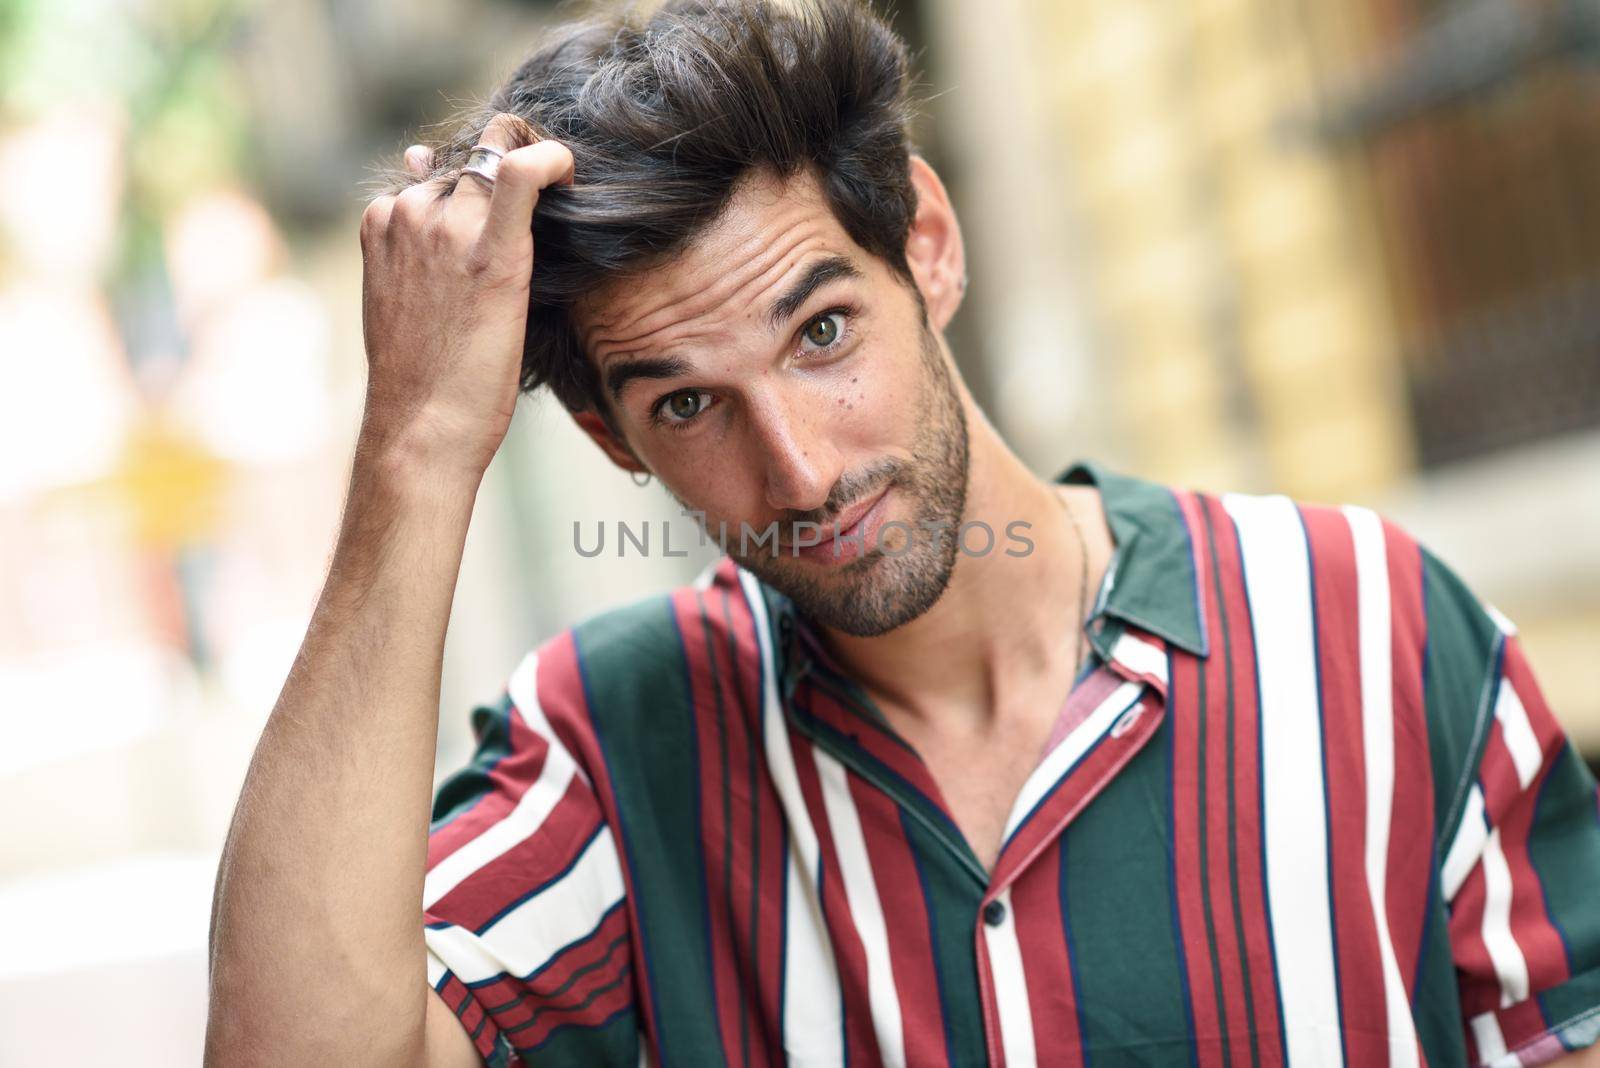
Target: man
{"x":1142,"y":775}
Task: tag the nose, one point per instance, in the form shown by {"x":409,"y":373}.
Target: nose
{"x":800,"y":461}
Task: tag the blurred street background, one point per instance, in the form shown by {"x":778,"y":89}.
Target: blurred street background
{"x":1345,"y":250}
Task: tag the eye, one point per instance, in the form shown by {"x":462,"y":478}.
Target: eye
{"x":826,"y":329}
{"x":682,"y":406}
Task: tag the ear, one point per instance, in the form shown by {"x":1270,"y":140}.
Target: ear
{"x":933,"y":246}
{"x":609,"y":443}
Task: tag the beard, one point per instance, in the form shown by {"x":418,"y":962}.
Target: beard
{"x":878,"y":590}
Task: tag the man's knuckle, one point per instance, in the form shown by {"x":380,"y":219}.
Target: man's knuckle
{"x":375,"y":218}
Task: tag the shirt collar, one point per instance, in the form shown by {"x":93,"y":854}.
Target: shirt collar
{"x":1151,"y":581}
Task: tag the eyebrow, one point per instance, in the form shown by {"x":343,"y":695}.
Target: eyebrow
{"x":820,"y":273}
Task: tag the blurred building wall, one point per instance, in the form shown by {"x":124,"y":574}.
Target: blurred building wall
{"x":1257,"y":231}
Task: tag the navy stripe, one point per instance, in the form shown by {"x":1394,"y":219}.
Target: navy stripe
{"x":553,"y":958}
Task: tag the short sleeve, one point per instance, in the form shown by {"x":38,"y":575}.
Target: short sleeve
{"x":526,"y":925}
{"x":1521,"y":871}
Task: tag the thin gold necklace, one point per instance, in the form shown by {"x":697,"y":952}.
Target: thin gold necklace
{"x":1083,"y":587}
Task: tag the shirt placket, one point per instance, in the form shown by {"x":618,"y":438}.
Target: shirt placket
{"x":1119,"y":707}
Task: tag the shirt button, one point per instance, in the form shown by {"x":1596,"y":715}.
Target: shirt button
{"x":994,"y":913}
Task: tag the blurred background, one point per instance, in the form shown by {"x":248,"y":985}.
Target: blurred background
{"x":1348,"y":251}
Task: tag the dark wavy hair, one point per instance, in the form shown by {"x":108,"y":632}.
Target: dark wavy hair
{"x":666,"y":111}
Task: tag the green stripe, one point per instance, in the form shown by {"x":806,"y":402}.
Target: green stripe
{"x":1571,"y":1009}
{"x":952,"y":902}
{"x":727,"y":802}
{"x":1564,"y":845}
{"x":491,"y":726}
{"x":569,"y":1046}
{"x":1458,"y":685}
{"x":1118,"y":891}
{"x":1436,"y":1005}
{"x":633,"y":666}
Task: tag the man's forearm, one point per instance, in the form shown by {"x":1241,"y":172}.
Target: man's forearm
{"x":316,"y":934}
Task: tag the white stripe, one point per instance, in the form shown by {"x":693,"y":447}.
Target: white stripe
{"x":1504,"y":624}
{"x":708,"y":575}
{"x":1467,"y":846}
{"x":1518,"y":733}
{"x":1377,"y":734}
{"x":536,"y":803}
{"x":1509,"y":964}
{"x":1140,"y":656}
{"x":530,"y":934}
{"x":1010,"y":987}
{"x":812,"y":1024}
{"x":861,"y":890}
{"x":1491,"y":1043}
{"x":436,"y":968}
{"x":1069,"y":750}
{"x":1278,"y":579}
{"x":524,"y":691}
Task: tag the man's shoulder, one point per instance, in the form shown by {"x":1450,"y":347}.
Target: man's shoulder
{"x":650,"y":653}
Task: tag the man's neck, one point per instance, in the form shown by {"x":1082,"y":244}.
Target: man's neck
{"x":1006,"y":624}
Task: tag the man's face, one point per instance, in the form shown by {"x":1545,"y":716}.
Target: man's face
{"x":776,"y":372}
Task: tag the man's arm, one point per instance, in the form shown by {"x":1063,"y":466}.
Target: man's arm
{"x":1579,"y":1058}
{"x":317,"y":952}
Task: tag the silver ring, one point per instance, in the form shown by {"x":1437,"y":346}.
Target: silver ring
{"x":483,"y":161}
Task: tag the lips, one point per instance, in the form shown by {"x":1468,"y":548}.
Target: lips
{"x":857,"y":521}
{"x":849,"y":519}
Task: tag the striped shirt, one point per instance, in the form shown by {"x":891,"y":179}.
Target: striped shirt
{"x":1306,"y":807}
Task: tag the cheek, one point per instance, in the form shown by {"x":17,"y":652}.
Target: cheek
{"x":874,"y":404}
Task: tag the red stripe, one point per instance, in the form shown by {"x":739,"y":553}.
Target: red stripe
{"x":1073,"y":791}
{"x":874,"y":739}
{"x":455,"y":993}
{"x":1052,"y":998}
{"x":561,"y":695}
{"x":1510,"y":809}
{"x":905,"y":912}
{"x":712,"y":740}
{"x":1219,"y":875}
{"x":536,"y":860}
{"x":596,"y":1012}
{"x":508,"y":781}
{"x":1360,"y":962}
{"x":1522,"y":1023}
{"x":1531,"y":923}
{"x":850,"y":956}
{"x":1188,"y":879}
{"x":1411,"y":846}
{"x":1247,"y":824}
{"x":763,"y":877}
{"x":1480,"y":990}
{"x":523,"y":998}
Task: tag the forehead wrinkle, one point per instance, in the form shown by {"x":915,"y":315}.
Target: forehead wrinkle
{"x":770,"y":267}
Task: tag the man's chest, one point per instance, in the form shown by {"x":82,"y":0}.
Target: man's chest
{"x":978,"y":782}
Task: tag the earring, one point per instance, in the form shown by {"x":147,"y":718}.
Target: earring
{"x":637,"y":481}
